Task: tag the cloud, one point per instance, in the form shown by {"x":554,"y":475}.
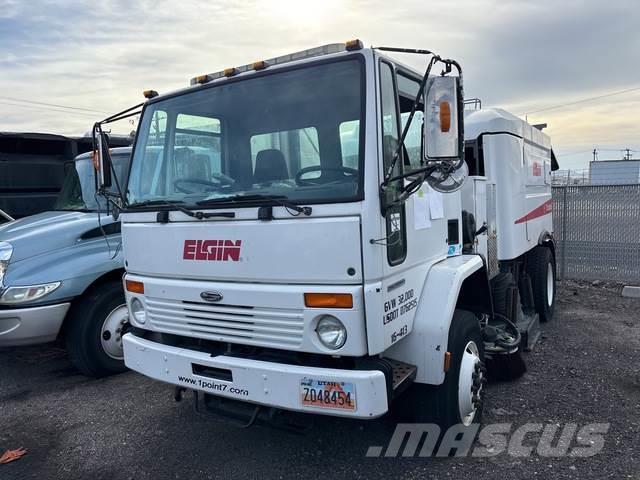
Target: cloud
{"x":525,"y":55}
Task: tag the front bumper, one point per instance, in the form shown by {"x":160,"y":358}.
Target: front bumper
{"x":265,"y":383}
{"x":29,"y":326}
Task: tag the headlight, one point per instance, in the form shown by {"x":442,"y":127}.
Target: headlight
{"x":331,"y":332}
{"x":6,"y":250}
{"x":137,"y":310}
{"x":28,"y":294}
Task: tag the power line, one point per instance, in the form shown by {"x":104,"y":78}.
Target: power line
{"x":570,"y":154}
{"x":68,"y":112}
{"x":33,"y":102}
{"x":590,"y":99}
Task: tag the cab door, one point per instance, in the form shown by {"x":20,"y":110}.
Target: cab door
{"x":416,"y":232}
{"x":395,"y":321}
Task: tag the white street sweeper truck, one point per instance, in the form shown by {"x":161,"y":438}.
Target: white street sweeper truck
{"x":329,"y":232}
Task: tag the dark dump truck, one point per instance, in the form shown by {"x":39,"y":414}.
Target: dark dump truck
{"x":33,"y":167}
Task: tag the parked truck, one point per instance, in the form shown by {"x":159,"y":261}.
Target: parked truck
{"x":33,"y":167}
{"x":315,"y":233}
{"x":61,"y":272}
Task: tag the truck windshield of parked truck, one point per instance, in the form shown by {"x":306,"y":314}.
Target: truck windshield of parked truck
{"x":294,"y":133}
{"x":79,"y":188}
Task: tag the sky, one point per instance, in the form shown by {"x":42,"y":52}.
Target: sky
{"x":522,"y":55}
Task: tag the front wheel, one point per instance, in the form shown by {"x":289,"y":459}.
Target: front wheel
{"x":459,"y":399}
{"x":542,"y":269}
{"x":94,"y":331}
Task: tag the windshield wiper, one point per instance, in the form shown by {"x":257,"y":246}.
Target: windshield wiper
{"x":180,"y":206}
{"x":281,"y":200}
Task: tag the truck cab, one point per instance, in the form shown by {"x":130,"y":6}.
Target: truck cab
{"x":285,"y":250}
{"x":60,"y":274}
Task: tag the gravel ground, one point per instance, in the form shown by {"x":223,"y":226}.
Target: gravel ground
{"x":583,"y":370}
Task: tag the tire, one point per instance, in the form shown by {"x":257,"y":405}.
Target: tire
{"x":90,"y":352}
{"x":542,"y":269}
{"x":441,"y":404}
{"x":500,"y":290}
{"x":506,"y":366}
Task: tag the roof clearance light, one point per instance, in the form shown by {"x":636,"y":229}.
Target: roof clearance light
{"x":202,"y":79}
{"x":354,"y":44}
{"x":230,"y":72}
{"x":150,"y":93}
{"x":260,"y":65}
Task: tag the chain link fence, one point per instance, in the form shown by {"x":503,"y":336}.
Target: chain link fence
{"x":597,"y":231}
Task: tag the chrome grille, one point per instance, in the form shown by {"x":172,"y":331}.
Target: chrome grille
{"x":247,"y":325}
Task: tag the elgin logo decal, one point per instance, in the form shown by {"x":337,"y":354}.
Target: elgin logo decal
{"x":537,"y":169}
{"x":212,"y":250}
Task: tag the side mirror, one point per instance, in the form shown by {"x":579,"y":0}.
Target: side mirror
{"x":102,"y":161}
{"x":442,"y":119}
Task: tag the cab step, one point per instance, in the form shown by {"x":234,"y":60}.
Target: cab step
{"x":403,"y":375}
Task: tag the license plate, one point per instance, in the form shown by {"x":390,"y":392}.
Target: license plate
{"x":327,"y":394}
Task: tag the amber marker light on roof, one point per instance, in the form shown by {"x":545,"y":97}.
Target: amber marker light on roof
{"x":229,"y":72}
{"x":260,"y":65}
{"x":354,"y":44}
{"x":150,"y":93}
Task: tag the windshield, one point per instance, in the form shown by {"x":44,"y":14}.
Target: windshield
{"x":79,"y":187}
{"x":294,"y":134}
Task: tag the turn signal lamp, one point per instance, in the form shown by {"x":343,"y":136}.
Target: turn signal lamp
{"x":96,"y":160}
{"x":445,"y":117}
{"x":134,"y":287}
{"x":328,"y":300}
{"x":150,"y":93}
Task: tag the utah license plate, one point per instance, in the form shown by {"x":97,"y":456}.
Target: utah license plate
{"x":327,"y":394}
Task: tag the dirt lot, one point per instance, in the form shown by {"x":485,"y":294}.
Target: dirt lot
{"x":585,"y":369}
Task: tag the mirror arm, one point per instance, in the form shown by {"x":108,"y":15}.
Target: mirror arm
{"x":405,"y":130}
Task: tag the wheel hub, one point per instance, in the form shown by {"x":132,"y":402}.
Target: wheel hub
{"x":470,"y":383}
{"x":113,"y":327}
{"x":550,"y":289}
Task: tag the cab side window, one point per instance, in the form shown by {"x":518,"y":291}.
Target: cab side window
{"x":395,"y":216}
{"x":407,"y":92}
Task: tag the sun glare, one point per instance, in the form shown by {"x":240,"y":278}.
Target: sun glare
{"x":300,"y":10}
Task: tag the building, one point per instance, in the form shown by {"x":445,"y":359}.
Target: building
{"x":614,"y":172}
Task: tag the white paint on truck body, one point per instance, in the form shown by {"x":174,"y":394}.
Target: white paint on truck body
{"x":517,"y":158}
{"x":401,"y":310}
